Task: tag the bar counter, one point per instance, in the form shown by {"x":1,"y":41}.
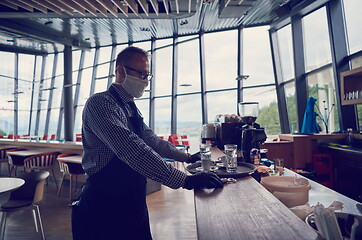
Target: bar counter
{"x":246,"y":210}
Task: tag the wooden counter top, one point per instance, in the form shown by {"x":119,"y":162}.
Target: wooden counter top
{"x":246,"y":210}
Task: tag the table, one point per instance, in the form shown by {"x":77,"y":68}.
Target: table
{"x":28,"y":153}
{"x":71,"y":159}
{"x":246,"y":210}
{"x":9,"y":184}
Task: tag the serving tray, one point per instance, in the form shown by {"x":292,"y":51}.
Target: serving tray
{"x":244,"y":169}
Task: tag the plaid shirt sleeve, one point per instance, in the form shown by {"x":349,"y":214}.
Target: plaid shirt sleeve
{"x":108,"y":125}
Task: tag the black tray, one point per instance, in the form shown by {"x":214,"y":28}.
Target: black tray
{"x":244,"y":169}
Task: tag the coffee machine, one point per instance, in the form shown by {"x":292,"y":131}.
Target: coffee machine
{"x":246,"y":134}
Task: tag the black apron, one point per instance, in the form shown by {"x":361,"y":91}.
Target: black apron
{"x":113,"y":201}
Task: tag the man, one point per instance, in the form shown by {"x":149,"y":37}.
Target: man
{"x":119,"y":153}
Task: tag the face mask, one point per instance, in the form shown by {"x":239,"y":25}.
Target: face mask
{"x":134,"y":86}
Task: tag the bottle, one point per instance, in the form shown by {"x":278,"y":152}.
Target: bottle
{"x":349,"y":136}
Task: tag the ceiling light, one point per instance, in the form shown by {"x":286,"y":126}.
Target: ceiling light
{"x":242,"y":77}
{"x":184,"y":22}
{"x":48,"y":22}
{"x":87,"y":39}
{"x":145,"y":29}
{"x":185,"y":85}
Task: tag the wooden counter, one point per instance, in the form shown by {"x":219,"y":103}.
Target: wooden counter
{"x":246,"y":210}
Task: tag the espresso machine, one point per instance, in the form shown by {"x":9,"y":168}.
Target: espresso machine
{"x":247,"y":134}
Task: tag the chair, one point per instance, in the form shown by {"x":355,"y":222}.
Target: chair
{"x":17,"y":137}
{"x":78,"y":137}
{"x":27,"y":196}
{"x":4,"y":157}
{"x":15,"y":161}
{"x":185,"y":141}
{"x":53,"y":137}
{"x":174,"y":139}
{"x":11,"y":136}
{"x":45,"y":137}
{"x":71,"y":169}
{"x":42,"y":161}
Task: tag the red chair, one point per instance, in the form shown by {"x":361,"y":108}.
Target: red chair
{"x":71,"y":169}
{"x":43,"y":161}
{"x":45,"y":137}
{"x":174,"y":139}
{"x":2,"y":136}
{"x":16,"y":136}
{"x":78,"y":137}
{"x":25,"y":135}
{"x":185,"y":142}
{"x":53,"y":137}
{"x":11,"y":136}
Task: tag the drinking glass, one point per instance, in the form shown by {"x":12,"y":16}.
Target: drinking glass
{"x":231,"y":157}
{"x":205,"y":152}
{"x":279,"y":166}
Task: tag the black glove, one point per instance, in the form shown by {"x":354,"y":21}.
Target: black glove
{"x":193,"y":158}
{"x":203,"y":180}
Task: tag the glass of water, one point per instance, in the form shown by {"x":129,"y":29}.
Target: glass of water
{"x":231,"y":157}
{"x":205,"y":152}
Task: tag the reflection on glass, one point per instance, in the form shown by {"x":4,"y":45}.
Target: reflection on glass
{"x":143,"y":106}
{"x":268,"y":107}
{"x":189,"y":119}
{"x":321,"y":87}
{"x":257,"y":56}
{"x":284,"y":36}
{"x":291,"y":106}
{"x":316,"y":40}
{"x":224,"y":55}
{"x":163,"y":116}
{"x":221,"y":103}
{"x":353,"y":18}
{"x":102,"y":78}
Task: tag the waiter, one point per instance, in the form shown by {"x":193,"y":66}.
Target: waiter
{"x":119,"y":153}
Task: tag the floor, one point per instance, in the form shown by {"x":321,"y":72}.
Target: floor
{"x":172,"y":215}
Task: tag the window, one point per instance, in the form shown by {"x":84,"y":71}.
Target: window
{"x":321,"y":87}
{"x":188,"y":67}
{"x":221,"y":59}
{"x":353,"y":24}
{"x":268,"y":108}
{"x":257,"y":62}
{"x":359,"y":114}
{"x":223,"y":102}
{"x":163,"y":75}
{"x":317,"y":51}
{"x":163,"y":116}
{"x":284,"y":41}
{"x":291,"y":105}
{"x":189,"y":119}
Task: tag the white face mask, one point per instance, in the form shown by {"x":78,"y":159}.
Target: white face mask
{"x":134,"y":86}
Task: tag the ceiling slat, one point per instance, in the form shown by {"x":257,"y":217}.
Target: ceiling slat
{"x":109,"y":6}
{"x":144,"y":6}
{"x":62,"y":6}
{"x":154,"y":4}
{"x":133,"y":6}
{"x":73,"y":5}
{"x":49,"y":6}
{"x":35,"y":5}
{"x":20,"y":4}
{"x":165,"y":3}
{"x":122,"y":6}
{"x":8,"y":4}
{"x":98,"y":6}
{"x":87,"y":6}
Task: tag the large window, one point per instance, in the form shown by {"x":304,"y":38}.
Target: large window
{"x":317,"y":51}
{"x":163,"y":116}
{"x":223,"y":102}
{"x":285,"y":46}
{"x":353,"y":24}
{"x":221,"y":59}
{"x":291,"y":106}
{"x":163,"y":75}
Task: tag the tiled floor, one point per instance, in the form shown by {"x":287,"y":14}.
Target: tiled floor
{"x":172,"y":216}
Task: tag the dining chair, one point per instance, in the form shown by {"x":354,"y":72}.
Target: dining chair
{"x":53,"y":137}
{"x":4,"y":157}
{"x":42,"y":161}
{"x":70,"y":169}
{"x":15,"y":161}
{"x":45,"y":137}
{"x":27,"y":196}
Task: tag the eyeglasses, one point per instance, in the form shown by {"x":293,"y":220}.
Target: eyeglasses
{"x":141,"y":74}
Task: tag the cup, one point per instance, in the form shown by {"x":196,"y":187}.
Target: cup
{"x":205,"y":153}
{"x":279,"y":166}
{"x":231,"y":157}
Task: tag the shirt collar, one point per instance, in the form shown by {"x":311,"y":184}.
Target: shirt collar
{"x":122,"y":94}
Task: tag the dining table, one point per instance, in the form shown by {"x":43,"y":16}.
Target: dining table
{"x":8,"y":184}
{"x":72,"y":159}
{"x":30,"y":152}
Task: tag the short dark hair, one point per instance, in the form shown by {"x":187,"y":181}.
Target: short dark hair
{"x":128,"y":53}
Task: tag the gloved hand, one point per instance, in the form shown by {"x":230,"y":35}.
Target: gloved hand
{"x":193,"y":158}
{"x":203,"y":180}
